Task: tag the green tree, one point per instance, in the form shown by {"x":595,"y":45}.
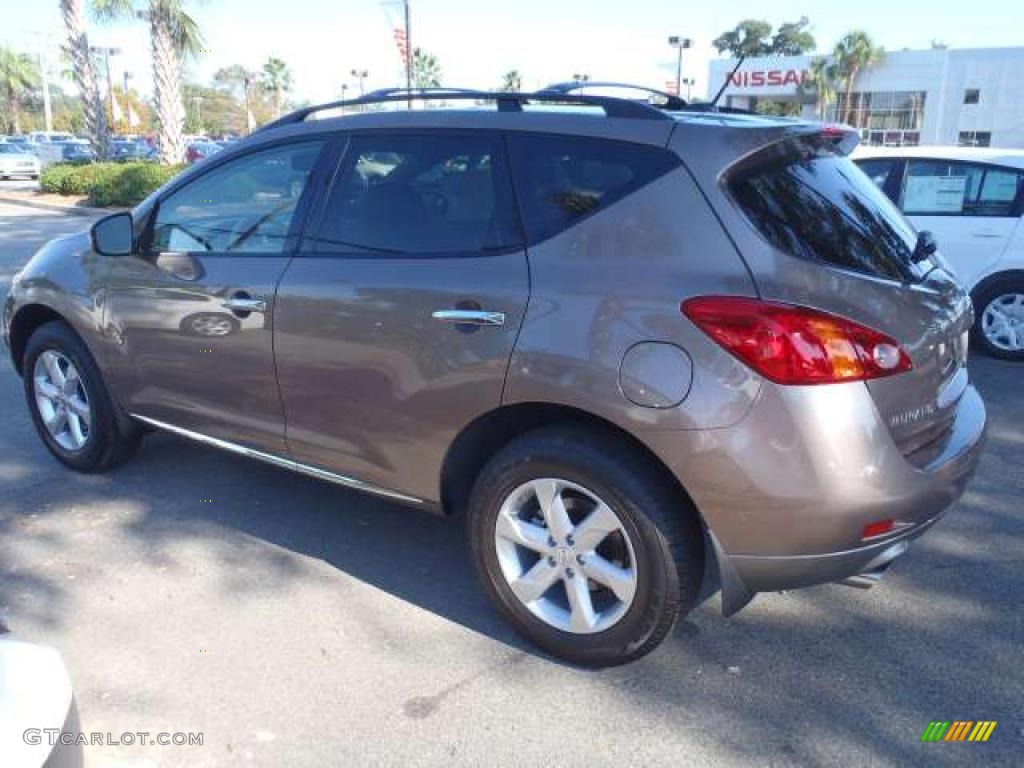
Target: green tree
{"x":854,"y":53}
{"x":242,"y":84}
{"x":426,"y":70}
{"x":512,"y":81}
{"x":276,"y":80}
{"x":18,"y":77}
{"x":753,"y":37}
{"x":83,"y":71}
{"x":822,"y":77}
{"x":750,"y":38}
{"x":174,"y":36}
{"x":793,"y":38}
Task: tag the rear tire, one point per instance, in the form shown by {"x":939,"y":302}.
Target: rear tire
{"x":651,"y":550}
{"x":63,"y":387}
{"x":999,"y":322}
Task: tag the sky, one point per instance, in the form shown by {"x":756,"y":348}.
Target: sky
{"x":476,"y":41}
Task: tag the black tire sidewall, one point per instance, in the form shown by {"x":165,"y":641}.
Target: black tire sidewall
{"x":657,"y":581}
{"x":984,"y":297}
{"x":103,"y":426}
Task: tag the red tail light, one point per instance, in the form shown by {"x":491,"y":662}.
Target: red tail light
{"x":796,"y":345}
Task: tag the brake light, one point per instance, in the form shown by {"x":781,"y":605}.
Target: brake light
{"x":876,"y":529}
{"x":796,"y":345}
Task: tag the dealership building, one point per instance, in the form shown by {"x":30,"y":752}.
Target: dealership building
{"x":969,"y":96}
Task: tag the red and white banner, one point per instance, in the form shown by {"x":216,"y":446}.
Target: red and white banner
{"x":395,"y":12}
{"x":403,"y":44}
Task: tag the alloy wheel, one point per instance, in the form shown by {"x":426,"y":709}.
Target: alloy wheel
{"x":1002,"y":322}
{"x":566,"y":555}
{"x":62,"y":400}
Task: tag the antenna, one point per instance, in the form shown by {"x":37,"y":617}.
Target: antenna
{"x":728,"y":79}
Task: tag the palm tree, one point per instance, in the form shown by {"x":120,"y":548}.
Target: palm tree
{"x":173,"y":36}
{"x":854,"y":53}
{"x":512,"y":81}
{"x":17,"y":78}
{"x":823,"y":79}
{"x":83,"y":71}
{"x":276,"y":80}
{"x":426,"y":71}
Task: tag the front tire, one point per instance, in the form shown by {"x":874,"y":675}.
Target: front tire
{"x":589,"y":552}
{"x":71,"y":407}
{"x":999,"y":325}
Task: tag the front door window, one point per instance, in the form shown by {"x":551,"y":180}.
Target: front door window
{"x":245,"y":206}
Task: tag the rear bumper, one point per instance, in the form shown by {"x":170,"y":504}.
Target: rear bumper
{"x":787,"y":492}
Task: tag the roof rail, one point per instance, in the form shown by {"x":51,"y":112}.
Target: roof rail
{"x":507,"y":101}
{"x":672,"y":102}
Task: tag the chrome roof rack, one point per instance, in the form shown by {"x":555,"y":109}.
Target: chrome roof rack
{"x":670,"y":101}
{"x":507,"y":101}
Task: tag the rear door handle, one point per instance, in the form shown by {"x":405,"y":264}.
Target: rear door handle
{"x":469,"y":316}
{"x":245,"y":304}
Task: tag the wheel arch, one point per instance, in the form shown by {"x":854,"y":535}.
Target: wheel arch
{"x":991,"y":279}
{"x":24,"y":323}
{"x":474,"y":446}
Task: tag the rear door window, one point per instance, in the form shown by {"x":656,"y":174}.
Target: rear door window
{"x":562,"y":179}
{"x":420,"y":194}
{"x":816,"y":204}
{"x":954,"y":188}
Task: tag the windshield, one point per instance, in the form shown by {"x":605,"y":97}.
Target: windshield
{"x":812,"y":202}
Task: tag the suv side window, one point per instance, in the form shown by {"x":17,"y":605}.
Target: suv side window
{"x":562,"y":179}
{"x":420,"y":194}
{"x":951,"y":188}
{"x":243,"y":206}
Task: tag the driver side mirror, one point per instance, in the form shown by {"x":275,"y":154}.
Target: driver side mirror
{"x":113,"y":235}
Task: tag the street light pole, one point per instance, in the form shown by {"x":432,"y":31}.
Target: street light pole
{"x":44,"y":76}
{"x":408,"y":54}
{"x":107,"y":53}
{"x":679,"y":43}
{"x":246,"y":81}
{"x":360,"y":75}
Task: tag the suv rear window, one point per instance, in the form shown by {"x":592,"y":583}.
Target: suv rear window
{"x":562,"y":179}
{"x":814,"y":203}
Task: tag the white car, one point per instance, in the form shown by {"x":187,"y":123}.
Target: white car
{"x":972,"y":200}
{"x":16,"y":160}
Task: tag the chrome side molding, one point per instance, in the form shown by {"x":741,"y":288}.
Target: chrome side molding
{"x":279,"y":461}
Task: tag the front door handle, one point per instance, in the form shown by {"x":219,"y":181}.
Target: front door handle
{"x":469,"y":316}
{"x":245,"y":303}
{"x":985,"y":233}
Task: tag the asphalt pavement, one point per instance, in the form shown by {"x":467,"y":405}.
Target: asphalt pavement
{"x":294,"y":623}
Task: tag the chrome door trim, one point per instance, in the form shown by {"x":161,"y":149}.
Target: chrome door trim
{"x":280,"y":461}
{"x":470,"y":316}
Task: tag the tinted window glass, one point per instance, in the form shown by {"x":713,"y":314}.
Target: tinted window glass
{"x":244,"y":206}
{"x":561,"y":179}
{"x":816,"y":204}
{"x":420,"y":194}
